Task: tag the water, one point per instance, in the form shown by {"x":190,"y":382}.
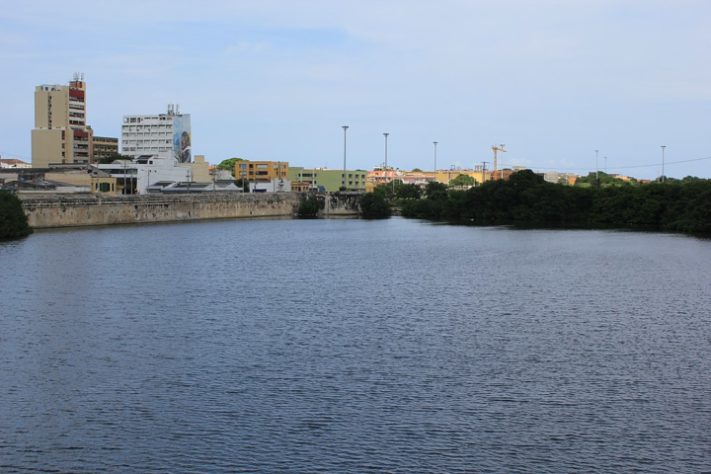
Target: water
{"x":354,"y":346}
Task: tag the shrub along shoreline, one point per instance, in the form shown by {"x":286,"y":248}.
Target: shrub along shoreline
{"x":527,"y":201}
{"x":13,"y":221}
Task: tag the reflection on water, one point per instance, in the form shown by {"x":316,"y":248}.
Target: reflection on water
{"x":352,"y":346}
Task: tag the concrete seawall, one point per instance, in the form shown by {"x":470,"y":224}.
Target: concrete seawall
{"x":45,"y":211}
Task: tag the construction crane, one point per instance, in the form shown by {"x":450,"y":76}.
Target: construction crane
{"x":496,"y":149}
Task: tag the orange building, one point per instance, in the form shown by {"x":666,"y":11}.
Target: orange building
{"x":266,"y":171}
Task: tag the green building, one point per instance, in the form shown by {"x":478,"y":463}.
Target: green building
{"x":324,"y":179}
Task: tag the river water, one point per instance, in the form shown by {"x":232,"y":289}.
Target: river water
{"x":354,"y":346}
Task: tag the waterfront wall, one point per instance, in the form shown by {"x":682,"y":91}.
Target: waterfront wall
{"x":72,"y":210}
{"x":88,"y":209}
{"x":340,"y":205}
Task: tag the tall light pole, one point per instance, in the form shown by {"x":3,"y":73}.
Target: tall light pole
{"x":343,"y":179}
{"x":385,"y":134}
{"x":435,"y":160}
{"x":148,"y":179}
{"x":597,"y":170}
{"x":663,"y":177}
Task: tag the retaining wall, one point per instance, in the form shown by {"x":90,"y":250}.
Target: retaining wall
{"x":89,"y":209}
{"x":71,"y":210}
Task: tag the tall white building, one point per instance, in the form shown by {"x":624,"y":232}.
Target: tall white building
{"x":165,"y":135}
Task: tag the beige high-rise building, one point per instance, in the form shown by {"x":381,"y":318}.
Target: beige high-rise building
{"x":61,"y":135}
{"x":104,"y":147}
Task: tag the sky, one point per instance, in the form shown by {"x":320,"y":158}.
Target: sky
{"x":553,"y":80}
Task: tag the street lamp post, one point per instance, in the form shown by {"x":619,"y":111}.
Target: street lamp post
{"x":343,"y":179}
{"x":148,"y":179}
{"x":435,"y":161}
{"x":663,"y":149}
{"x":385,"y":134}
{"x":597,"y":170}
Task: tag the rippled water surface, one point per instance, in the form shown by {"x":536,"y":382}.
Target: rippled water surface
{"x":354,"y":346}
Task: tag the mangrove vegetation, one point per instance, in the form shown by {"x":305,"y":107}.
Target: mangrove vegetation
{"x":527,"y":201}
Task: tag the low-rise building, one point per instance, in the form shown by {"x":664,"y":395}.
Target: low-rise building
{"x":135,"y":177}
{"x":327,"y":180}
{"x":560,"y":178}
{"x":479,"y":174}
{"x":264,"y":176}
{"x":261,"y":171}
{"x":11,"y":163}
{"x":382,"y":175}
{"x":280,"y":185}
{"x":420,"y":178}
{"x":59,"y":179}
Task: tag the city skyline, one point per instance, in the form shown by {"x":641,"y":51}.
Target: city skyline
{"x":276,"y":81}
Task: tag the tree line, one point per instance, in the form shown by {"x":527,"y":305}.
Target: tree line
{"x":525,"y":200}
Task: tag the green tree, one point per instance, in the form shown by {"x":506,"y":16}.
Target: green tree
{"x":309,"y":207}
{"x":605,"y":179}
{"x":435,"y":190}
{"x":461,"y":181}
{"x":110,"y":158}
{"x":13,"y":221}
{"x":229,"y":164}
{"x":407,"y":191}
{"x":385,"y":190}
{"x":374,"y":206}
{"x":526,"y":200}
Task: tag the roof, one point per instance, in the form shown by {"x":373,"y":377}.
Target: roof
{"x":13,"y":161}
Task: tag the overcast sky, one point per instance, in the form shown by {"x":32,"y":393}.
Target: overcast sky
{"x":554,"y":80}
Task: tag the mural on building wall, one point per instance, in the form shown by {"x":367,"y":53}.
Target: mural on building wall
{"x":182,"y":141}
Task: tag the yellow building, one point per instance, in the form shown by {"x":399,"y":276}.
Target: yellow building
{"x":200,"y":170}
{"x":327,"y":180}
{"x":479,"y":175}
{"x":104,"y":147}
{"x":61,"y":134}
{"x":445,"y":176}
{"x":266,"y":171}
{"x":95,"y":181}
